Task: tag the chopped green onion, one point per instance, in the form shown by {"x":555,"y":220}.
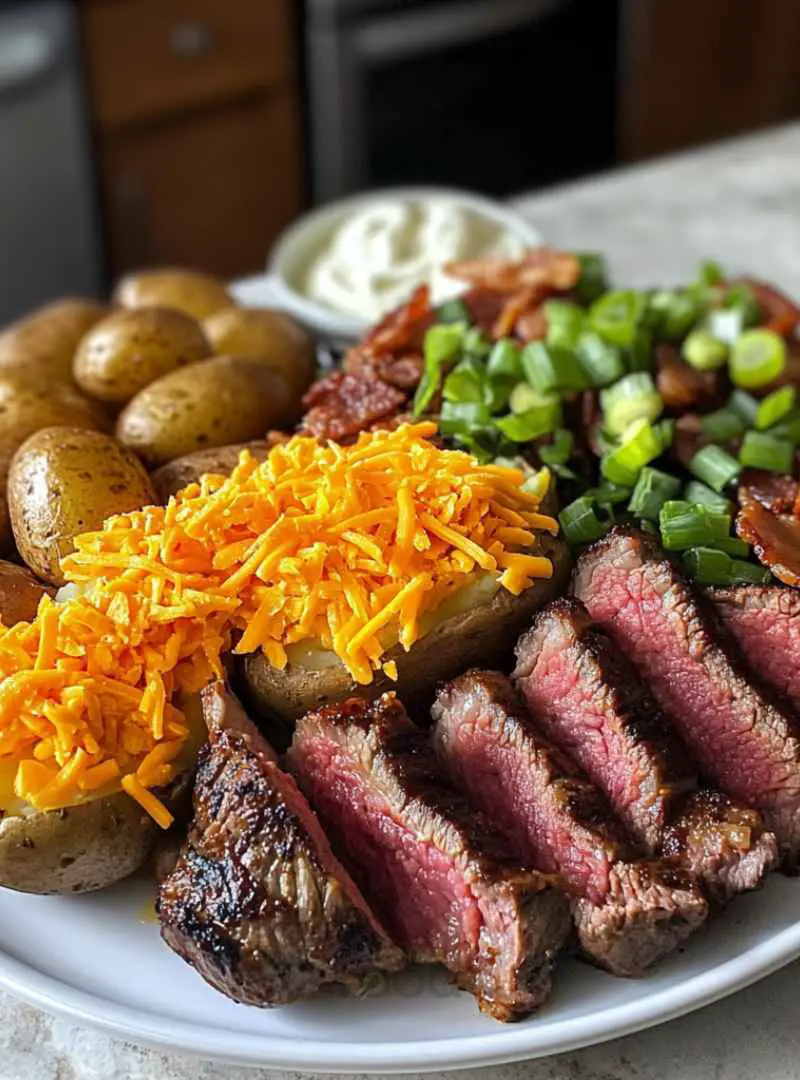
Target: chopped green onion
{"x":672,"y":313}
{"x":560,"y":449}
{"x":740,"y":298}
{"x":608,"y":495}
{"x":531,"y":424}
{"x":733,"y":546}
{"x":653,"y":489}
{"x":497,"y":391}
{"x":684,"y":525}
{"x":453,"y":311}
{"x":710,"y":274}
{"x":640,"y":353}
{"x":761,"y":450}
{"x":616,"y":316}
{"x":550,"y":367}
{"x":775,"y":407}
{"x":476,"y":343}
{"x":523,"y":397}
{"x":459,"y":418}
{"x":640,"y":445}
{"x":715,"y":467}
{"x":723,"y":426}
{"x":565,"y":323}
{"x":665,"y":430}
{"x":703,"y":351}
{"x":695,"y":492}
{"x":708,"y":566}
{"x":602,"y":362}
{"x":442,"y":343}
{"x":580,"y":523}
{"x":745,"y":405}
{"x":593,"y":281}
{"x":505,"y":359}
{"x":634,"y":397}
{"x":789,"y":428}
{"x":464,"y":383}
{"x":757,"y":357}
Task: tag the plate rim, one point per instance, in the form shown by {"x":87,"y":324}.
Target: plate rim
{"x":516,"y":1043}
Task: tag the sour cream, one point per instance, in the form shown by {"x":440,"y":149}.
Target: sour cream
{"x":379,"y":254}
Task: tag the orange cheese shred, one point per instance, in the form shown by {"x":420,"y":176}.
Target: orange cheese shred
{"x":342,"y":548}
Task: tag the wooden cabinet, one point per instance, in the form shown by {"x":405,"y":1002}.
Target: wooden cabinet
{"x":197,"y":129}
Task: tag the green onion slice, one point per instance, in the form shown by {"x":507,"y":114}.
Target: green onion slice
{"x":684,"y":525}
{"x":703,"y":351}
{"x":531,"y":424}
{"x":695,"y":492}
{"x":633,"y":398}
{"x":745,"y":405}
{"x":551,"y":367}
{"x":580,"y":523}
{"x":723,"y":426}
{"x":565,"y":323}
{"x":653,"y":489}
{"x":560,"y":450}
{"x":505,"y":359}
{"x":708,"y":566}
{"x":593,"y":281}
{"x":640,"y":444}
{"x":757,"y":357}
{"x":616,"y":316}
{"x":715,"y":467}
{"x":453,"y":311}
{"x":761,"y":450}
{"x":775,"y":407}
{"x":442,"y":343}
{"x":602,"y":362}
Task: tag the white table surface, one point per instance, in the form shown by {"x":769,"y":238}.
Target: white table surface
{"x":738,"y":202}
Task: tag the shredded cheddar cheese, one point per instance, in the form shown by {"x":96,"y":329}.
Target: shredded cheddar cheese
{"x":344,"y":547}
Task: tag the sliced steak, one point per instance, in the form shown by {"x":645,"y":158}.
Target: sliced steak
{"x":589,"y":699}
{"x":627,"y":914}
{"x":423,"y":856}
{"x":745,"y":743}
{"x":257,"y":903}
{"x":765,"y":621}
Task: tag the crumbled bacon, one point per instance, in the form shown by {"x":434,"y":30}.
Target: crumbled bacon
{"x":680,"y":385}
{"x":403,"y":328}
{"x":532,"y":324}
{"x":343,"y":404}
{"x":543,"y":268}
{"x":780,"y":494}
{"x":775,"y":539}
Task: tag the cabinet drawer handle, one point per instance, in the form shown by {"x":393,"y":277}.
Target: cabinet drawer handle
{"x":191,"y":40}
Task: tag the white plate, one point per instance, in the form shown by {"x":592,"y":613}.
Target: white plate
{"x":99,"y":960}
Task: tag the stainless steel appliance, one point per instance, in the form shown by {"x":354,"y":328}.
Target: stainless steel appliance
{"x":48,"y":227}
{"x":497,"y":95}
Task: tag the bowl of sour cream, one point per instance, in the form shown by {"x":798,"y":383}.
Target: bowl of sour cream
{"x":340,"y":268}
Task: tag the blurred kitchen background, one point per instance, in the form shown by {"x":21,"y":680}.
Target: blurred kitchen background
{"x":190,"y":132}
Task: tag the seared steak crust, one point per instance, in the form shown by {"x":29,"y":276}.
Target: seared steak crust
{"x":746,"y":743}
{"x":627,"y":913}
{"x":590,"y":701}
{"x":765,"y":621}
{"x":436,"y":870}
{"x":257,"y":902}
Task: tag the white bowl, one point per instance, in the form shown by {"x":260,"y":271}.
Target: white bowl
{"x":297,"y":246}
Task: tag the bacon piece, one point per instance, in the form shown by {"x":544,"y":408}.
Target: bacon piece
{"x":403,"y":328}
{"x":343,"y":404}
{"x":779,"y":494}
{"x":781,"y":313}
{"x":513,"y":310}
{"x":775,"y":536}
{"x":542,"y":268}
{"x":681,"y":386}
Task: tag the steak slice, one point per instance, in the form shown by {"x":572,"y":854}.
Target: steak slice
{"x":257,"y":903}
{"x":765,"y":621}
{"x":745,"y":743}
{"x":423,"y":856}
{"x":588,"y":698}
{"x":627,"y":914}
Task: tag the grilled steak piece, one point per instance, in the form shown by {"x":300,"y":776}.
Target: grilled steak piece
{"x":426,"y":859}
{"x":765,"y":621}
{"x":723,"y":843}
{"x":257,"y":902}
{"x":627,"y":914}
{"x":588,"y":698}
{"x":745,"y":743}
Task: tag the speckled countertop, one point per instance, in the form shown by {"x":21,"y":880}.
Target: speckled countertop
{"x":740,"y":203}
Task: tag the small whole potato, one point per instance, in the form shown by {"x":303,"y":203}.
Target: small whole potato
{"x":20,"y":593}
{"x":212,"y":403}
{"x":127,"y":350}
{"x":28,"y":404}
{"x":64,"y":481}
{"x":269,"y":336}
{"x":43,"y":343}
{"x":190,"y":291}
{"x":175,"y":475}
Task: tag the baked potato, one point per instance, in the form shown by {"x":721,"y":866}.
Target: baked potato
{"x":42,"y":345}
{"x":212,"y":403}
{"x":190,"y":291}
{"x":127,"y":350}
{"x":482,"y":634}
{"x":170,"y":478}
{"x":28,"y":404}
{"x":64,"y":481}
{"x":270,"y":336}
{"x":20,"y":593}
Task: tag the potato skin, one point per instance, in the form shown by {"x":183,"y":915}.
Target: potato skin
{"x":20,"y":593}
{"x":190,"y":291}
{"x":28,"y":404}
{"x":213,"y":403}
{"x":482,"y":637}
{"x":80,"y":849}
{"x":64,"y":481}
{"x":263,"y":334}
{"x":127,"y":350}
{"x":43,"y":343}
{"x":175,"y":475}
